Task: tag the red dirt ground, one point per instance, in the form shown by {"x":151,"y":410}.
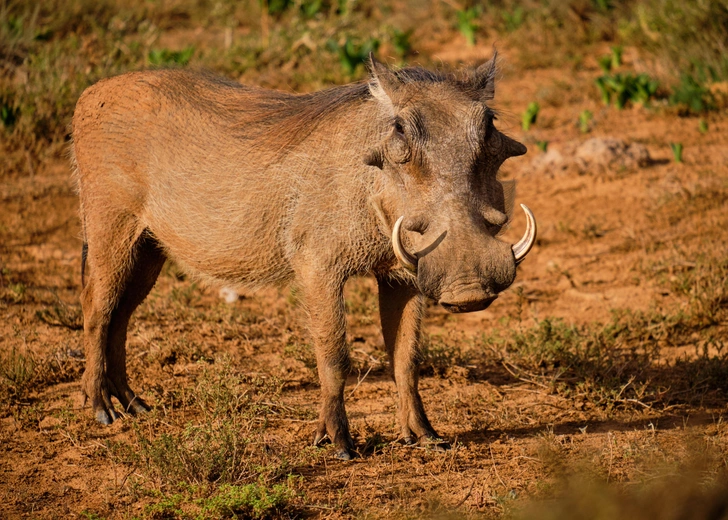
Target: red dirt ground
{"x":608,"y":239}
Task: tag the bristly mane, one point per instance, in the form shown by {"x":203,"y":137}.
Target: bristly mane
{"x":278,"y":118}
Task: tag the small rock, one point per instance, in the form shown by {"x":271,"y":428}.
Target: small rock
{"x":612,"y":154}
{"x":595,"y":155}
{"x":229,"y":294}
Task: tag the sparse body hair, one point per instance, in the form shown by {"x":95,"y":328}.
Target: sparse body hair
{"x":246,"y":187}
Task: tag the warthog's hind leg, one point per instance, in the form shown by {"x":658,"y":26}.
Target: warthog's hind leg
{"x":401,"y":308}
{"x":121,"y":276}
{"x":325,"y":304}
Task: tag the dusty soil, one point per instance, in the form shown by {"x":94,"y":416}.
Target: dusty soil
{"x":609,"y":238}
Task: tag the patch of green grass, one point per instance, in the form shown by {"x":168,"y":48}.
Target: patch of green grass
{"x":529,"y":117}
{"x":217,"y":440}
{"x":611,"y":61}
{"x":585,"y":118}
{"x":353,"y":53}
{"x":167,"y":58}
{"x":467,"y":22}
{"x":61,"y":315}
{"x":691,"y":95}
{"x":685,"y":36}
{"x":621,"y":89}
{"x":401,"y":41}
{"x":254,"y":500}
{"x":620,"y":363}
{"x":677,"y":151}
{"x":167,"y":507}
{"x":304,"y":353}
{"x":206,"y":453}
{"x":438,"y":356}
{"x":513,"y":19}
{"x":18,"y":370}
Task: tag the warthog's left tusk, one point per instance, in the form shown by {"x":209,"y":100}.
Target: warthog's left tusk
{"x":407,"y":260}
{"x":521,"y":249}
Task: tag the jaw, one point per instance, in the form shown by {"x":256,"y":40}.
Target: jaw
{"x":472,"y":297}
{"x":463,"y":306}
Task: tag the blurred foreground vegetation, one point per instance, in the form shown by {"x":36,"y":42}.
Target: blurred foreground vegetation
{"x":50,"y":50}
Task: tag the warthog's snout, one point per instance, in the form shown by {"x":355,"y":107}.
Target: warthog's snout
{"x":467,"y":301}
{"x":463,"y":276}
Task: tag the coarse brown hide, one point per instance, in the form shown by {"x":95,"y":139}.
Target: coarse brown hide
{"x":249,"y":187}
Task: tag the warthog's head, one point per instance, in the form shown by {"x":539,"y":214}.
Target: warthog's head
{"x":440,"y":159}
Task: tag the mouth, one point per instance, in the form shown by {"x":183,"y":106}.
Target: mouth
{"x":468,"y":306}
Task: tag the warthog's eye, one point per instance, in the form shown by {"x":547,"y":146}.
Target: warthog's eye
{"x":398,"y":127}
{"x":398,"y":148}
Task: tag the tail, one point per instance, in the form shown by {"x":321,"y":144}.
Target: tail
{"x":84,"y":254}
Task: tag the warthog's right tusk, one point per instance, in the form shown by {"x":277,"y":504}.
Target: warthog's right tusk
{"x":407,"y":260}
{"x":521,"y":249}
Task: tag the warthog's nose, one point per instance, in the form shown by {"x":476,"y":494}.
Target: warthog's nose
{"x":467,"y":305}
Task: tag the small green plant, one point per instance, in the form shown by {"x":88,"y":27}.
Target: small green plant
{"x":611,"y":61}
{"x":677,"y":151}
{"x":605,"y":63}
{"x":401,"y":42}
{"x":585,"y":118}
{"x":8,"y":114}
{"x":166,"y":507}
{"x":352,"y":54}
{"x":16,"y":292}
{"x":513,"y":19}
{"x":302,"y":352}
{"x":468,"y":23}
{"x":692,"y":95}
{"x":530,"y":115}
{"x":616,"y":56}
{"x":276,"y":7}
{"x":17,"y":371}
{"x":438,"y":357}
{"x":542,"y":145}
{"x":703,"y":126}
{"x":255,"y":500}
{"x":166,"y":57}
{"x":311,"y":8}
{"x":623,"y":88}
{"x":61,"y":315}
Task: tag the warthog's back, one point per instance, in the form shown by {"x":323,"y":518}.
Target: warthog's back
{"x":221,"y":174}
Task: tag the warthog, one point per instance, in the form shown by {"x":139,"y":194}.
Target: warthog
{"x":246,"y":187}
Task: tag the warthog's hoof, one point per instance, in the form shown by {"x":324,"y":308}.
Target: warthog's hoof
{"x":137,"y":405}
{"x":320,"y":438}
{"x":106,"y":417}
{"x":343,"y":454}
{"x":100,"y":396}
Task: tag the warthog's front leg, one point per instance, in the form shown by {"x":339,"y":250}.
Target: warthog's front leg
{"x":401,"y":309}
{"x":324,"y":301}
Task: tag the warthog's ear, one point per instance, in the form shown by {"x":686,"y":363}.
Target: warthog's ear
{"x":384,"y":82}
{"x":483,"y":78}
{"x":374,"y":157}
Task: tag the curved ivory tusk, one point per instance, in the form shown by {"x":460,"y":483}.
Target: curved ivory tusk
{"x":521,"y":249}
{"x":407,"y":260}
